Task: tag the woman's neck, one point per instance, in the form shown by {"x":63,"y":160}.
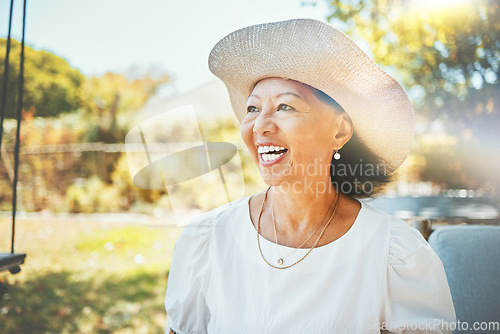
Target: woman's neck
{"x":298,"y":210}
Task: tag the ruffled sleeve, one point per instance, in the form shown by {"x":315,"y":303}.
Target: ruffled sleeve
{"x":417,"y":298}
{"x":188,"y":282}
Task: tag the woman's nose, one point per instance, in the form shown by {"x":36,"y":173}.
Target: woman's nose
{"x":264,"y":123}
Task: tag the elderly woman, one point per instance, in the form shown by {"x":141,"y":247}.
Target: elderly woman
{"x":325,"y":125}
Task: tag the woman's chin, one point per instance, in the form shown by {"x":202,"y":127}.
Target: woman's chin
{"x":273,"y":180}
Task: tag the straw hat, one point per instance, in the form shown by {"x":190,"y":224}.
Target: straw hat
{"x":320,"y":55}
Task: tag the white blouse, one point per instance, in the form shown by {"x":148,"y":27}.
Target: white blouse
{"x":381,"y":274}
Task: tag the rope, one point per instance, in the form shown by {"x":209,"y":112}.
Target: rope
{"x":18,"y":132}
{"x":5,"y":75}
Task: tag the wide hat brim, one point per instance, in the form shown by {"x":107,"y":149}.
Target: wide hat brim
{"x":321,"y":56}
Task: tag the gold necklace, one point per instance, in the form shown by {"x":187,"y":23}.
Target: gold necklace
{"x":310,"y":250}
{"x":281,"y":260}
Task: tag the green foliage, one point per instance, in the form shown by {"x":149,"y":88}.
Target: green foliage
{"x":51,"y":85}
{"x":45,"y":177}
{"x":63,"y":107}
{"x":109,"y":101}
{"x":447,"y":56}
{"x":69,"y":181}
{"x":132,"y":197}
{"x":450,"y":55}
{"x":92,"y":196}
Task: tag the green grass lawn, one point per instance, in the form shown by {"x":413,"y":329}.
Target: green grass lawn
{"x":86,"y":277}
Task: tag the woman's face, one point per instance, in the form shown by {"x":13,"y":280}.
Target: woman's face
{"x":290,"y":133}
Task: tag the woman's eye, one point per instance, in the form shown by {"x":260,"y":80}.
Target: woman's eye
{"x":285,"y":107}
{"x":252,"y":109}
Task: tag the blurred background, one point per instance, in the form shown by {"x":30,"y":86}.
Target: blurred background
{"x":98,"y":246}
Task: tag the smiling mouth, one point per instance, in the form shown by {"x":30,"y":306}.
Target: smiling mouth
{"x":271,"y":154}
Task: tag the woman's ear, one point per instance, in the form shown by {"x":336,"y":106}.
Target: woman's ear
{"x":345,"y":130}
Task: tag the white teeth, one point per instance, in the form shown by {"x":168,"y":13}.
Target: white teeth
{"x":271,"y":157}
{"x":266,"y":149}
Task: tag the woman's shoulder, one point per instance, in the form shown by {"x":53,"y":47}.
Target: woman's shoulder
{"x":403,"y":239}
{"x":414,"y":269}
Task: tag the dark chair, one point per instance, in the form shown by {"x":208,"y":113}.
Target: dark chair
{"x":471,"y":259}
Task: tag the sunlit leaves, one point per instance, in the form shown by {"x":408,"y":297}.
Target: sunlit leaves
{"x":451,"y":50}
{"x":51,"y":86}
{"x":446,"y":54}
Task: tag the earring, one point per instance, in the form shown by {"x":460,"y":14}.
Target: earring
{"x":336,"y":155}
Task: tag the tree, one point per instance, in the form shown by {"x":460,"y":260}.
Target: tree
{"x":51,"y":86}
{"x":448,"y":60}
{"x":111,"y":99}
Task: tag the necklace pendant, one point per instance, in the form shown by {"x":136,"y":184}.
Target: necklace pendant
{"x":280,"y":261}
